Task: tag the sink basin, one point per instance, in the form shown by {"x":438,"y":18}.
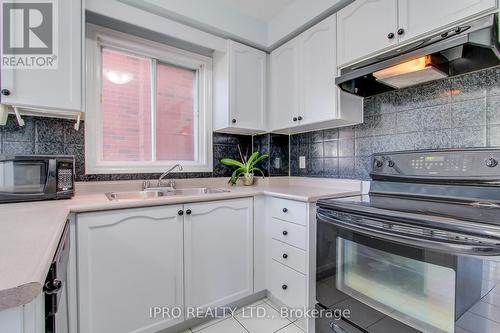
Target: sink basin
{"x":197,"y":190}
{"x":134,"y":195}
{"x":157,"y":192}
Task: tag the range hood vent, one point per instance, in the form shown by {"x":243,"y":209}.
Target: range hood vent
{"x":458,"y":51}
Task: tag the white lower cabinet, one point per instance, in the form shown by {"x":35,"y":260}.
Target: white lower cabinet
{"x":128,"y":261}
{"x":289,"y":233}
{"x":291,"y":262}
{"x":289,"y":286}
{"x":218,"y":252}
{"x":289,"y":256}
{"x":131,"y":260}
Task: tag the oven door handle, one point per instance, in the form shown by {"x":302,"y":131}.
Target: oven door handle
{"x":438,"y":245}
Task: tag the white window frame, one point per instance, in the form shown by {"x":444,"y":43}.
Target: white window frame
{"x":98,"y":37}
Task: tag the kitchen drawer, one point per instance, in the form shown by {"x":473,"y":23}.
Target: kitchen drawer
{"x":289,"y":286}
{"x":289,"y":256}
{"x":289,"y":233}
{"x":288,"y":210}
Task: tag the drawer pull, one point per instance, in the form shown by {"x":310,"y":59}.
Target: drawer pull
{"x":285,"y":232}
{"x":285,"y":255}
{"x":284,"y":287}
{"x":285,"y":210}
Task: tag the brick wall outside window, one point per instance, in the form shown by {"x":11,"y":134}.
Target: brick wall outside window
{"x":126,"y":109}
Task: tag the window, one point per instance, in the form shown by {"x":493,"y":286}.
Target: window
{"x":148,"y":105}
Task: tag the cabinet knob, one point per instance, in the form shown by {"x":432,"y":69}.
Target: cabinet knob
{"x":285,"y":255}
{"x":300,"y":118}
{"x":52,"y":287}
{"x":284,"y":287}
{"x":285,"y":210}
{"x":233,"y":121}
{"x":188,"y":212}
{"x":5,"y":92}
{"x":491,"y":163}
{"x":180,"y":212}
{"x":401,"y":31}
{"x":390,"y":35}
{"x":285,"y":232}
{"x":294,"y":118}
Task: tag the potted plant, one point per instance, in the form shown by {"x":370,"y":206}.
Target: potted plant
{"x":245,"y":168}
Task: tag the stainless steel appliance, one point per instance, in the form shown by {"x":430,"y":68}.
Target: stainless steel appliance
{"x":459,"y":50}
{"x":36,"y":177}
{"x":420,"y":252}
{"x":55,"y":288}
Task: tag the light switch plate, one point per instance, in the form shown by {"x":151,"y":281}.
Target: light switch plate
{"x":302,"y":162}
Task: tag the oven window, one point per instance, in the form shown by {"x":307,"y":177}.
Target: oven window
{"x":22,"y":177}
{"x":417,"y":293}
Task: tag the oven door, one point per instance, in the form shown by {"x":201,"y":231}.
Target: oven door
{"x":393,"y":282}
{"x":27,"y":179}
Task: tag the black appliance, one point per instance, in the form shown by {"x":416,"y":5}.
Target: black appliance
{"x":462,"y":49}
{"x":420,"y":252}
{"x":55,"y":288}
{"x":36,"y":177}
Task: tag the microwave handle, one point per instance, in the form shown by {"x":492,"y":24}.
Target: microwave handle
{"x":441,"y":245}
{"x":51,"y":183}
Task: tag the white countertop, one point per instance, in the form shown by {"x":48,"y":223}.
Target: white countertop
{"x":30,"y":231}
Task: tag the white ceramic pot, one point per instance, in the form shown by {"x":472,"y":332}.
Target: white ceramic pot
{"x":248,"y":179}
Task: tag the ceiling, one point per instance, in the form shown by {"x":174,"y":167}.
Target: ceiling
{"x":264,"y":24}
{"x":263,"y":10}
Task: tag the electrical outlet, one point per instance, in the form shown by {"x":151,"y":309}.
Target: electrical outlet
{"x":277,"y":163}
{"x":302,"y":162}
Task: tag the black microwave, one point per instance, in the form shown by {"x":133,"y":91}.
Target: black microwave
{"x":36,"y":177}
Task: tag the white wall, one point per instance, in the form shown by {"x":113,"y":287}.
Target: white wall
{"x":211,"y":15}
{"x":120,"y":11}
{"x":297,"y":15}
{"x":205,"y":22}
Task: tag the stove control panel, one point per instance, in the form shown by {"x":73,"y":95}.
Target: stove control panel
{"x":448,"y":163}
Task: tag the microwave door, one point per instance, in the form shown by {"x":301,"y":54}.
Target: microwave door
{"x":24,"y":177}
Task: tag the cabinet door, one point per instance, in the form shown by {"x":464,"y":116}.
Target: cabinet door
{"x":422,"y":16}
{"x":247,"y":87}
{"x":284,"y":92}
{"x":363,"y":29}
{"x":129,"y":261}
{"x":317,"y":68}
{"x":54,"y":89}
{"x":218,"y":252}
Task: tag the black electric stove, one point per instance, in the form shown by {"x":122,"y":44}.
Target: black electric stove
{"x":419,"y":251}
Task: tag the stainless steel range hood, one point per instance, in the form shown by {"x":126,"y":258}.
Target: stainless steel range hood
{"x":460,"y":50}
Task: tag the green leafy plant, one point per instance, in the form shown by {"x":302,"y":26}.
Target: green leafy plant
{"x":246,"y":166}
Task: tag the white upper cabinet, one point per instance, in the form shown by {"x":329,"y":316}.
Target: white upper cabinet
{"x":318,"y":67}
{"x":218,"y":252}
{"x":422,"y":16}
{"x":128,"y":261}
{"x":304,"y":96}
{"x":365,"y":27}
{"x":284,"y":80}
{"x":240,"y":89}
{"x":368,"y":27}
{"x":57,"y":88}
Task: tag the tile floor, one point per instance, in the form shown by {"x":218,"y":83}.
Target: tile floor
{"x":247,"y":321}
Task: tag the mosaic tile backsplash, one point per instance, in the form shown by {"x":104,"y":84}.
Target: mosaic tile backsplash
{"x":462,"y":111}
{"x":57,"y":136}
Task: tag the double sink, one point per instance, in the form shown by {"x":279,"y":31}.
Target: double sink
{"x":156,"y":192}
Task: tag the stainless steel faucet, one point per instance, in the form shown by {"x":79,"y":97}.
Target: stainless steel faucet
{"x":171,"y":183}
{"x":163,"y":175}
